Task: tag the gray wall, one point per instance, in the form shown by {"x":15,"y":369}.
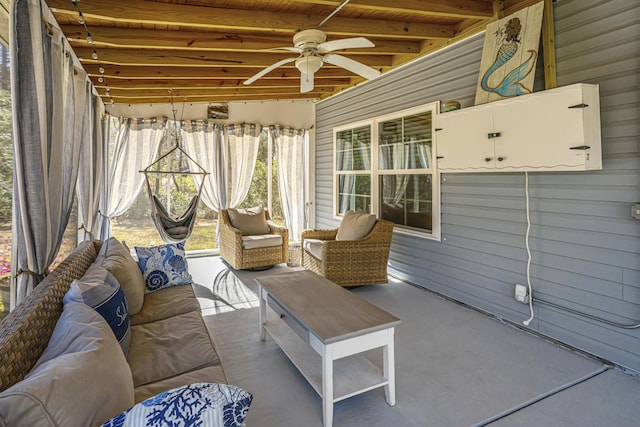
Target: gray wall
{"x":585,"y":245}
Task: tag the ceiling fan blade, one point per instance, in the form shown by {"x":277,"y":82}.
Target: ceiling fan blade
{"x":351,"y":65}
{"x":352,"y":43}
{"x":268,"y":70}
{"x":306,"y":82}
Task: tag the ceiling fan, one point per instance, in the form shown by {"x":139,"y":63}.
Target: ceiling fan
{"x":314,"y":51}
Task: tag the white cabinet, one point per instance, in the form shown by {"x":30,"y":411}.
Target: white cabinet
{"x":552,"y":130}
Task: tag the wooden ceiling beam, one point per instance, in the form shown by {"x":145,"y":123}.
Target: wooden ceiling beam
{"x":117,"y":72}
{"x":473,"y":9}
{"x":105,"y":37}
{"x":179,"y":94}
{"x":146,"y":58}
{"x":187,"y":16}
{"x":129,"y":84}
{"x":144,"y":99}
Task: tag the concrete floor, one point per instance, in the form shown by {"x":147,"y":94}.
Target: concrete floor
{"x":454,"y":365}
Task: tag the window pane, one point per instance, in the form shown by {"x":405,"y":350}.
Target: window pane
{"x":406,"y":200}
{"x":353,"y":149}
{"x":354,"y":193}
{"x":405,"y":143}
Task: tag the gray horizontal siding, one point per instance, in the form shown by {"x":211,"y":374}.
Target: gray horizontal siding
{"x":585,"y":246}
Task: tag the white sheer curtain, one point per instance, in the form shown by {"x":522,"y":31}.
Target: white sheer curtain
{"x":291,"y":151}
{"x":347,"y":183}
{"x":48,"y":98}
{"x":420,"y":159}
{"x":136,"y":146}
{"x":204,"y":141}
{"x":228,"y":154}
{"x":243,"y":143}
{"x":394,"y":156}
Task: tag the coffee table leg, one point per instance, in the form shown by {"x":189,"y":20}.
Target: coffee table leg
{"x":388,"y":357}
{"x":327,"y":386}
{"x":263,"y":312}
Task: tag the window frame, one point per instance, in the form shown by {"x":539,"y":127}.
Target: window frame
{"x":375,"y":171}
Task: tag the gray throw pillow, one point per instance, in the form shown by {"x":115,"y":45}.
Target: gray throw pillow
{"x":250,"y":221}
{"x":81,"y":379}
{"x":117,"y":259}
{"x":355,"y":226}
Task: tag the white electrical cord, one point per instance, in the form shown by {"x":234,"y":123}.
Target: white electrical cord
{"x":526,"y":242}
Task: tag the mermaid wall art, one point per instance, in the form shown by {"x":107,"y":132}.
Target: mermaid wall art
{"x":509,"y":55}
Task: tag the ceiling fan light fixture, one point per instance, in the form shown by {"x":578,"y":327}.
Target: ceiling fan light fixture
{"x":309,"y":64}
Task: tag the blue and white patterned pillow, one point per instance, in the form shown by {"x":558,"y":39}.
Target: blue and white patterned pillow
{"x":200,"y":404}
{"x":163,"y":266}
{"x":100,"y":290}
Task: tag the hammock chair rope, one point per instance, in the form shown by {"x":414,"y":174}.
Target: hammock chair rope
{"x":173,"y":229}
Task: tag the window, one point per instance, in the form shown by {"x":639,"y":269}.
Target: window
{"x":385,"y":166}
{"x":353,"y":169}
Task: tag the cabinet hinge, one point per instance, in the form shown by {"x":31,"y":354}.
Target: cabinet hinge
{"x":580,"y":147}
{"x":579,"y":106}
{"x":493,"y":135}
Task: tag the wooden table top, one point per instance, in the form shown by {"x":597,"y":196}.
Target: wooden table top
{"x":329,"y":311}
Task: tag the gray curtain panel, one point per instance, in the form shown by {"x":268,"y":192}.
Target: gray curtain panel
{"x":90,"y":172}
{"x":46,"y":143}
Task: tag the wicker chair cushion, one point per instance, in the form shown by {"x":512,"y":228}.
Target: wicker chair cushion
{"x":116,"y":258}
{"x":100,"y":290}
{"x":163,"y":266}
{"x":81,"y":379}
{"x":314,"y":247}
{"x":261,"y":241}
{"x":355,"y":226}
{"x":250,"y":221}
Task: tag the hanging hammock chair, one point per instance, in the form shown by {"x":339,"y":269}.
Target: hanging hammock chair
{"x":174,"y":229}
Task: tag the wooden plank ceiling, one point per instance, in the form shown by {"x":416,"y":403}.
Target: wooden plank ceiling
{"x":203,"y":50}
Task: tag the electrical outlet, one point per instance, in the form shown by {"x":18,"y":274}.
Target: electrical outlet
{"x":522,"y":294}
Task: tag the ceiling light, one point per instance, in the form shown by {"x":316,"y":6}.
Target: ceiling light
{"x":309,"y":64}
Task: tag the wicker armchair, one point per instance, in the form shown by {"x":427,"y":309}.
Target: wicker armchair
{"x":233,"y":252}
{"x":351,"y":262}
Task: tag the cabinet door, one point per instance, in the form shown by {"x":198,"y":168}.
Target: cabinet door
{"x":538,"y":130}
{"x":463,"y":141}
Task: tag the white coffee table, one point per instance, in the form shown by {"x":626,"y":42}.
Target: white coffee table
{"x":334,"y":325}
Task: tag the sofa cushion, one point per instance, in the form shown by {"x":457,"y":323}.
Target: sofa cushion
{"x":261,"y":241}
{"x":170,"y":347}
{"x":355,"y":226}
{"x":163,"y":266}
{"x":314,"y":247}
{"x":192,"y":405}
{"x":81,"y":379}
{"x":249,"y":221}
{"x":165,"y":303}
{"x":100,"y":290}
{"x":210,"y":374}
{"x":116,"y":258}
